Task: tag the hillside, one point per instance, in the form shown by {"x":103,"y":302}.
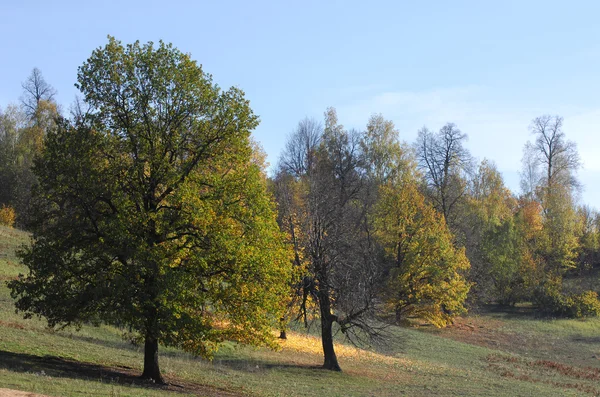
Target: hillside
{"x":492,"y":354}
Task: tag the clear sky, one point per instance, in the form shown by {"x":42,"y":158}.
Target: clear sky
{"x":490,"y":67}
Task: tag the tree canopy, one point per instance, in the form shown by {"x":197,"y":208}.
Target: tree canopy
{"x":152,"y":210}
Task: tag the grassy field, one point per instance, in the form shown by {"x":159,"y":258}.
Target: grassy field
{"x":496,"y":353}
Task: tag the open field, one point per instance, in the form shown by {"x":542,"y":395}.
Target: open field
{"x":495,"y":353}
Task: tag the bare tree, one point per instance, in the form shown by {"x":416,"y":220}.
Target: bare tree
{"x":444,"y":161}
{"x":36,"y":89}
{"x":329,"y":225}
{"x":558,"y":162}
{"x":79,"y":110}
{"x":557,"y":156}
{"x":298,"y":157}
{"x":530,"y":174}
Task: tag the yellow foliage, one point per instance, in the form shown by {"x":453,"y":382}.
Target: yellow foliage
{"x":531,"y":211}
{"x":427,"y":280}
{"x":7,"y":216}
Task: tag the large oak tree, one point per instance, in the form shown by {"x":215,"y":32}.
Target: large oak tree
{"x":152,"y":211}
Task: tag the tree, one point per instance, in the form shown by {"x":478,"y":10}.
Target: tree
{"x":554,"y":187}
{"x":444,"y":161}
{"x":558,"y":245}
{"x":35,"y":90}
{"x":557,"y":156}
{"x":588,"y":238}
{"x":426,"y":279}
{"x":12,"y":122}
{"x":424,"y":270}
{"x":386,"y":157}
{"x":152,"y":211}
{"x":330,"y":225}
{"x":22,"y":131}
{"x":30,"y":145}
{"x":486,"y":220}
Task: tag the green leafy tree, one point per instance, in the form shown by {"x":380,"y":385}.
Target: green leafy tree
{"x":502,"y":248}
{"x":487,"y":226}
{"x":588,"y":238}
{"x":152,"y":211}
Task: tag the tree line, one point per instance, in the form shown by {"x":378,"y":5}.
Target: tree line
{"x":151,"y":209}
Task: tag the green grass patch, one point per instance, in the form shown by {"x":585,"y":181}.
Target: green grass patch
{"x":98,"y":361}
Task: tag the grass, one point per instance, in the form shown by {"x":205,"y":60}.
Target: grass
{"x":495,"y":353}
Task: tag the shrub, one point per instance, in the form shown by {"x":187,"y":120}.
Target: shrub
{"x":587,"y":304}
{"x":553,"y":301}
{"x":7,"y":216}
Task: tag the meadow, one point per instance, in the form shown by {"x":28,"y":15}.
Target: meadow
{"x":494,"y":352}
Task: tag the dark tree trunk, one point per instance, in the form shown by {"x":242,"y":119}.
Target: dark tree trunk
{"x":282,"y":329}
{"x":331,"y":361}
{"x":151,"y":369}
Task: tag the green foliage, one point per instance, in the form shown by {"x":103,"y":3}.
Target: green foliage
{"x":589,"y":238}
{"x":427,"y":278}
{"x":559,"y":244}
{"x":21,"y":140}
{"x":490,"y":237}
{"x":152,"y":212}
{"x":552,"y":300}
{"x":502,"y":251}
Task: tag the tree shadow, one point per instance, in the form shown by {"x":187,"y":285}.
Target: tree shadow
{"x":64,"y":368}
{"x":123,"y":345}
{"x":100,"y":342}
{"x":586,"y":339}
{"x":260,"y":366}
{"x":512,"y":312}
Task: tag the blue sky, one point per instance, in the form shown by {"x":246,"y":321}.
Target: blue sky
{"x":489,"y":67}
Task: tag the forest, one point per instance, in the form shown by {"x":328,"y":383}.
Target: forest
{"x":152,"y":209}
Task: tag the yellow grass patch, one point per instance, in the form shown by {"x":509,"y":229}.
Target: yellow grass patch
{"x":309,"y":344}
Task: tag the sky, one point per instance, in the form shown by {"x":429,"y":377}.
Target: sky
{"x":489,"y":67}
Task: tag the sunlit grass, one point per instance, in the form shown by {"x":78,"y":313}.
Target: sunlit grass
{"x":412,"y":362}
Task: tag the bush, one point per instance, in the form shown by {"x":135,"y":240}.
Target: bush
{"x":7,"y":216}
{"x":553,"y":301}
{"x":586,"y":304}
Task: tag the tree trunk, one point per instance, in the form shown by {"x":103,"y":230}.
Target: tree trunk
{"x":151,"y":369}
{"x":331,"y":361}
{"x":282,"y":328}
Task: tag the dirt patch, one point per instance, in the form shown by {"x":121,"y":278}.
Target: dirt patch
{"x":485,"y":332}
{"x":552,"y":373}
{"x":10,"y":324}
{"x":65,"y":368}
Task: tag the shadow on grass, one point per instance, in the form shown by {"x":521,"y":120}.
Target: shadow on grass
{"x":260,"y":366}
{"x":100,"y":342}
{"x":121,"y":344}
{"x":511,"y":312}
{"x":63,"y":368}
{"x":60,"y":367}
{"x":586,"y":339}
